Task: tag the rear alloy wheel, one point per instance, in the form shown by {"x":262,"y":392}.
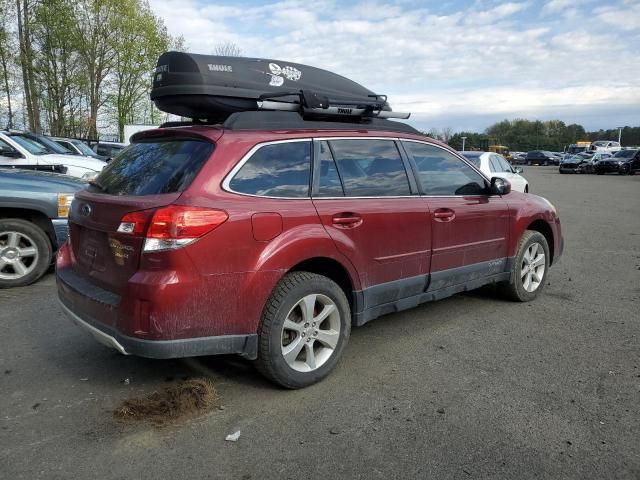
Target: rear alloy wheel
{"x":530,"y":267}
{"x":25,"y":253}
{"x":304,"y":329}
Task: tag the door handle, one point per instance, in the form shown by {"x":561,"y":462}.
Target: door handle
{"x":346,"y":220}
{"x":444,"y":214}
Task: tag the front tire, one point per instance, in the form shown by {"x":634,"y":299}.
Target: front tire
{"x":25,"y":252}
{"x":530,"y":268}
{"x":304,"y":329}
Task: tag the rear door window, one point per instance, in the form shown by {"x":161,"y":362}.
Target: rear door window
{"x":276,"y":170}
{"x":151,"y":168}
{"x":443,"y":174}
{"x":370,"y":168}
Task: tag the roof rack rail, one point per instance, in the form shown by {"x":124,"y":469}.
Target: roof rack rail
{"x":312,"y":103}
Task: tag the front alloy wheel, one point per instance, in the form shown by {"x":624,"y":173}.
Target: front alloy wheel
{"x":533,"y":267}
{"x":25,"y":252}
{"x":530,"y":267}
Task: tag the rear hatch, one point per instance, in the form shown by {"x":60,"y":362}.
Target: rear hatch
{"x":149,"y":174}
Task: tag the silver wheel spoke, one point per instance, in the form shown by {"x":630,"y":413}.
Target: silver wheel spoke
{"x":12,"y":239}
{"x":537,"y":261}
{"x":311,"y":356}
{"x":19,"y":267}
{"x":326,"y":311}
{"x":536,"y":277}
{"x":328,"y":338}
{"x":307,"y":304}
{"x":291,"y":325}
{"x":2,"y":264}
{"x":27,"y":251}
{"x":524,"y":271}
{"x":292,"y":350}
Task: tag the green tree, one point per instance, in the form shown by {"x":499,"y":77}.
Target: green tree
{"x":139,"y":38}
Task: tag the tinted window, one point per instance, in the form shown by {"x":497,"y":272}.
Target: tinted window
{"x":475,"y":159}
{"x":277,"y":170}
{"x":502,"y":164}
{"x":494,"y":165}
{"x":442,"y":173}
{"x":329,"y":184}
{"x":149,"y":168}
{"x":370,"y":168}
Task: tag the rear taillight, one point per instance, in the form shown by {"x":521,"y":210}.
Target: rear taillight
{"x":171,"y":227}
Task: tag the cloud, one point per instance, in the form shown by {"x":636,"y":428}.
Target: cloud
{"x":477,"y":58}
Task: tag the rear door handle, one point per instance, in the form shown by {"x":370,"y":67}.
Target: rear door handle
{"x":346,"y":220}
{"x":444,"y":214}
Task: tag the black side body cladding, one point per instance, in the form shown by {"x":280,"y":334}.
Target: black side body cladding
{"x":407,"y":293}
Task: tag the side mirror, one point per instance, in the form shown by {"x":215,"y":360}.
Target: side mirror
{"x":518,"y":170}
{"x":499,"y":186}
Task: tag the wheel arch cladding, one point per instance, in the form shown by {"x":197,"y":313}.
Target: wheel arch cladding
{"x":332,"y":269}
{"x":543,"y":227}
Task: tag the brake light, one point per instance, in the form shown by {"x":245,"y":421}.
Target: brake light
{"x":171,"y":227}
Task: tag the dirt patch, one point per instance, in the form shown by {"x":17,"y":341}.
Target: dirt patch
{"x":185,"y":400}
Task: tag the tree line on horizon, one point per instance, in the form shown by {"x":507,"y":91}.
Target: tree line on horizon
{"x":523,"y":135}
{"x":70,"y":67}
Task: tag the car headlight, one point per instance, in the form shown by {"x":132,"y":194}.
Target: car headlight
{"x":87,"y":177}
{"x":64,"y":204}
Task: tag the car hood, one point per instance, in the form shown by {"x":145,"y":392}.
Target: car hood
{"x":73,"y":161}
{"x":30,"y":180}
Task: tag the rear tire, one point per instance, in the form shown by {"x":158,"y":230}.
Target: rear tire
{"x":25,"y":252}
{"x":530,"y":267}
{"x":304,"y":329}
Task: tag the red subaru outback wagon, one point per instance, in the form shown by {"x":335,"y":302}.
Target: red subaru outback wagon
{"x":270,"y":236}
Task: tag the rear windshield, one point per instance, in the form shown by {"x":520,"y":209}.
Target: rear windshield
{"x":151,"y":168}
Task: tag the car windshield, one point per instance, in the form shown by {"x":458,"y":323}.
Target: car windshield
{"x":83,"y":147}
{"x":473,"y":158}
{"x":30,"y":145}
{"x":625,"y":154}
{"x":49,"y":144}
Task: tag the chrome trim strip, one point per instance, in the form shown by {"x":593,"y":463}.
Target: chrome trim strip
{"x":255,"y":148}
{"x":99,"y":335}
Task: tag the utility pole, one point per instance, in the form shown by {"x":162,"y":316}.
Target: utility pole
{"x":619,"y":134}
{"x":463,"y":140}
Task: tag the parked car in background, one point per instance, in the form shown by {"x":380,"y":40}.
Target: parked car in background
{"x":542,"y":157}
{"x":605,"y":146}
{"x":78,"y":147}
{"x":624,"y":162}
{"x":24,"y":151}
{"x":518,"y":158}
{"x":34,"y":207}
{"x":581,"y":162}
{"x":108,"y":149}
{"x":494,"y":165}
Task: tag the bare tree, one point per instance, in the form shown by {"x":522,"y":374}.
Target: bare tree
{"x":24,"y":10}
{"x":446,"y":135}
{"x":227,"y":49}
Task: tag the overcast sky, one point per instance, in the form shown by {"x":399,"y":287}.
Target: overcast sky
{"x":453,"y":64}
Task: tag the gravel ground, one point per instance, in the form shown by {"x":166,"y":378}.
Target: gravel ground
{"x":468,"y":387}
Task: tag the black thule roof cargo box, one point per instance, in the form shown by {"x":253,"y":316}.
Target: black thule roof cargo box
{"x":210,"y":88}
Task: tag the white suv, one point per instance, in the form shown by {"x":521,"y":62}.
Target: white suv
{"x":21,"y":150}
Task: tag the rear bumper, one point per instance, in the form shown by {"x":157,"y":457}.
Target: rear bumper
{"x":244,"y":345}
{"x":101,"y":313}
